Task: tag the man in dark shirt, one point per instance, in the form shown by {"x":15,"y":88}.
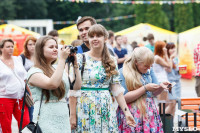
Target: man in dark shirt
{"x":83,"y":26}
{"x":121,"y":52}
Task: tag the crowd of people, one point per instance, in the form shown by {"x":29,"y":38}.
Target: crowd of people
{"x":77,"y":90}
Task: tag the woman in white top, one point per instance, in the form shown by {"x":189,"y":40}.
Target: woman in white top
{"x":161,"y":64}
{"x":12,"y":76}
{"x":27,"y":60}
{"x":27,"y":56}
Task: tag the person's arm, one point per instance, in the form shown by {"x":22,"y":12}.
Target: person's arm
{"x":50,"y":83}
{"x":162,"y":62}
{"x":131,"y":96}
{"x":72,"y":107}
{"x":121,"y":60}
{"x":28,"y":89}
{"x":195,"y":57}
{"x":116,"y":55}
{"x":117,"y":92}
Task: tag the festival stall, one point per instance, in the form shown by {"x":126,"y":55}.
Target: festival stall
{"x":68,"y":34}
{"x":187,"y":42}
{"x":138,"y":32}
{"x":16,"y":33}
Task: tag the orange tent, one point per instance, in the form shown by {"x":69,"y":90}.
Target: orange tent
{"x":16,"y":33}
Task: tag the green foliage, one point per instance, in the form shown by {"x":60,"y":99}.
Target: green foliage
{"x":31,"y":9}
{"x":196,"y":13}
{"x":178,"y":17}
{"x":140,"y":11}
{"x":156,"y":16}
{"x":119,"y":10}
{"x":183,"y":17}
{"x":7,"y":9}
{"x":169,"y":11}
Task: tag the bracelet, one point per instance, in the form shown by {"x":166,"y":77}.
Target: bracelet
{"x":145,"y":89}
{"x":76,"y":66}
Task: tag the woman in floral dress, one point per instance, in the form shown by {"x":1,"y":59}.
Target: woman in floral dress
{"x":140,"y":86}
{"x":95,"y":111}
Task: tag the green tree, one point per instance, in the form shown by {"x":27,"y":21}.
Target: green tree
{"x":156,"y":16}
{"x":140,"y":11}
{"x":63,"y":11}
{"x":7,"y":9}
{"x":183,"y":17}
{"x":120,"y":10}
{"x":196,"y":13}
{"x":31,"y":9}
{"x":169,"y":11}
{"x":67,"y":11}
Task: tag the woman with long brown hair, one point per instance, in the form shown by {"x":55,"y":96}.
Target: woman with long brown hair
{"x":95,"y":111}
{"x":173,"y":76}
{"x":52,"y":82}
{"x":162,"y":64}
{"x":27,"y":57}
{"x":27,"y":60}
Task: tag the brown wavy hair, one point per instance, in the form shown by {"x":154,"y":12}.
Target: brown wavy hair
{"x":26,"y":52}
{"x":169,"y":46}
{"x":107,"y":62}
{"x":40,"y":62}
{"x":159,"y":45}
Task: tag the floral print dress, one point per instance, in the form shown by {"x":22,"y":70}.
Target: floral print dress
{"x":149,"y":124}
{"x":95,"y":111}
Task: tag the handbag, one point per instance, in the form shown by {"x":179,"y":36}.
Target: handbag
{"x":31,"y":127}
{"x":28,"y":100}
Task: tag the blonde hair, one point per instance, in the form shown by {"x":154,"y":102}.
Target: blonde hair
{"x":133,"y":76}
{"x":107,"y":62}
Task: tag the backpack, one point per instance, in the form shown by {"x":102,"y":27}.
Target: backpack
{"x":23,"y":59}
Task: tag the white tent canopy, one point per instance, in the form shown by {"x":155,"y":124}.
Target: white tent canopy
{"x":190,"y":37}
{"x":138,"y":32}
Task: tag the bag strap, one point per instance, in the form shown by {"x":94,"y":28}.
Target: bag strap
{"x":83,"y":65}
{"x":71,"y":84}
{"x":23,"y":58}
{"x":23,"y":105}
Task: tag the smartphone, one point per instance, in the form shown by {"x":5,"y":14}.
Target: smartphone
{"x":171,"y":85}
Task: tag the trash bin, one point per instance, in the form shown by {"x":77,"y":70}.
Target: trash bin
{"x":167,"y":123}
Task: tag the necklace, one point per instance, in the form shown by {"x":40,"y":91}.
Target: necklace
{"x":8,"y":63}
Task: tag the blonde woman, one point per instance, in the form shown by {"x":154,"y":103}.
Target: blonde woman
{"x":140,"y":86}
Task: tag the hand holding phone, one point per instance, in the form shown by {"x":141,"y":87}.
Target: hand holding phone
{"x":170,"y":86}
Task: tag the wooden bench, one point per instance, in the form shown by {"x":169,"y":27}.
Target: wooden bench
{"x":192,"y":107}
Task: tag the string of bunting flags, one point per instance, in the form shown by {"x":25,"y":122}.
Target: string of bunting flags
{"x":98,"y":20}
{"x":134,"y":2}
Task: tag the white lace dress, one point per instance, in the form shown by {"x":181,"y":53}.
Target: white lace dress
{"x":54,"y":116}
